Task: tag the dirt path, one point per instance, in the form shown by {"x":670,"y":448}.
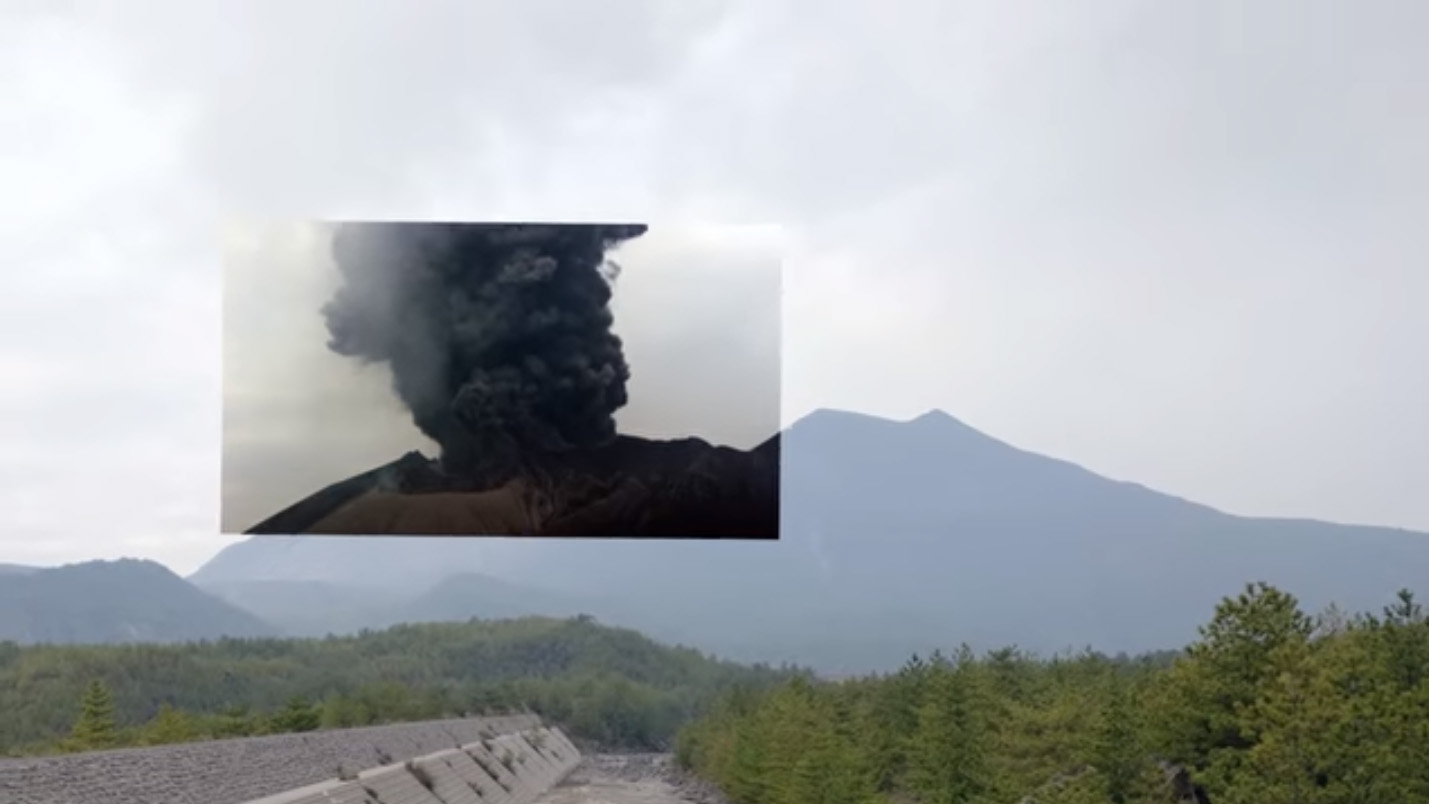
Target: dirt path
{"x":631,"y":779}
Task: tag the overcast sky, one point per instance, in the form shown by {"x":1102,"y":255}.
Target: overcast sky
{"x":1179,"y":243}
{"x":697,"y":309}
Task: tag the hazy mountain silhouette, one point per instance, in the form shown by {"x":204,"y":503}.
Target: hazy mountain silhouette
{"x":115,"y":601}
{"x":472,"y":594}
{"x":318,"y":608}
{"x":900,"y":536}
{"x":312,"y":608}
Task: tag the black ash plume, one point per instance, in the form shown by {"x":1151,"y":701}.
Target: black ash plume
{"x":498,"y":335}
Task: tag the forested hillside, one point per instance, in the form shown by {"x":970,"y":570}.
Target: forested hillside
{"x":606,"y":684}
{"x":1268,"y":706}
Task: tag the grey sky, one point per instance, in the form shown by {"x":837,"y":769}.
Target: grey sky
{"x":1180,"y":243}
{"x":697,"y":309}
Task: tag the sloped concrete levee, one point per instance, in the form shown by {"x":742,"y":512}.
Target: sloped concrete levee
{"x":490,"y":760}
{"x":517,"y":767}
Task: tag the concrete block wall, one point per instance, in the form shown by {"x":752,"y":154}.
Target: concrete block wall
{"x":516,"y":767}
{"x":305,"y":768}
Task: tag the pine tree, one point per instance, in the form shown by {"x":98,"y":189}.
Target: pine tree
{"x":233,"y":721}
{"x":1377,"y":746}
{"x":1116,"y":751}
{"x":169,"y":726}
{"x":748,"y":777}
{"x":297,"y":716}
{"x":1293,"y":710}
{"x":1405,"y":631}
{"x":1234,"y":662}
{"x":96,"y":727}
{"x":791,"y":735}
{"x":949,"y":745}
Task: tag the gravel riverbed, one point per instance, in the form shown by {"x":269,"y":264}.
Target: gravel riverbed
{"x":632,"y":779}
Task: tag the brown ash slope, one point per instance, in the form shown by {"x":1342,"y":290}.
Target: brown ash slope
{"x":633,"y":487}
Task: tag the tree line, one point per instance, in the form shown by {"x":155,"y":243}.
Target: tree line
{"x":1268,"y":706}
{"x":609,"y":685}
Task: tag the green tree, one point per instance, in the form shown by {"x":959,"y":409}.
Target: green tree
{"x":343,"y":712}
{"x":1405,"y":633}
{"x":169,"y":726}
{"x":1295,"y":708}
{"x":96,"y":727}
{"x":1201,"y":701}
{"x":403,"y":673}
{"x":1375,"y":743}
{"x":950,"y":742}
{"x":297,"y":716}
{"x":1117,"y":753}
{"x":832,"y":769}
{"x":234,"y":720}
{"x":1267,"y":707}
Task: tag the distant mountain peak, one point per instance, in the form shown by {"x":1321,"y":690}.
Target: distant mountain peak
{"x":834,"y":414}
{"x":124,"y":564}
{"x":936,"y":415}
{"x":934,"y":429}
{"x":119,"y":600}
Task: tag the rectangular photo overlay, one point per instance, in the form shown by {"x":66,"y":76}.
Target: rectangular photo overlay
{"x":501,"y":379}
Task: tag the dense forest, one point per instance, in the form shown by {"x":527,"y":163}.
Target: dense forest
{"x":1268,"y":706}
{"x":609,"y":685}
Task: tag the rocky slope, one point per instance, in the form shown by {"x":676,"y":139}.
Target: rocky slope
{"x":633,"y":487}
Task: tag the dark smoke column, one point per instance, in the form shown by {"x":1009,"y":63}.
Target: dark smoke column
{"x":498,"y":335}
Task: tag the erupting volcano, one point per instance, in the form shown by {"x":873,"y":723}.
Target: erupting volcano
{"x":500,"y":341}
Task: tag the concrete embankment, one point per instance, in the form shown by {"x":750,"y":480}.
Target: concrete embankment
{"x":498,"y":760}
{"x":513,"y":768}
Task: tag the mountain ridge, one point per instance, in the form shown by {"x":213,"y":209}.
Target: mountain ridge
{"x":121,"y":601}
{"x":901,"y":536}
{"x":937,"y":417}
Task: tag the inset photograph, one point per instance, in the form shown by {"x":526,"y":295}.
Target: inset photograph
{"x":613,"y":380}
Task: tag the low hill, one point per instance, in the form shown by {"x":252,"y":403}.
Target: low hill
{"x":607,"y":683}
{"x":115,"y":601}
{"x":319,"y":608}
{"x":470,"y":594}
{"x":313,"y":608}
{"x":405,"y":565}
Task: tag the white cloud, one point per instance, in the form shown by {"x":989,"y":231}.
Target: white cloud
{"x":1179,"y":243}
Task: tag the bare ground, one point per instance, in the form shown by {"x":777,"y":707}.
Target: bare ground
{"x":631,"y":779}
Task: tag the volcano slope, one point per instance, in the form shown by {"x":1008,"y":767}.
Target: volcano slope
{"x":632,"y":487}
